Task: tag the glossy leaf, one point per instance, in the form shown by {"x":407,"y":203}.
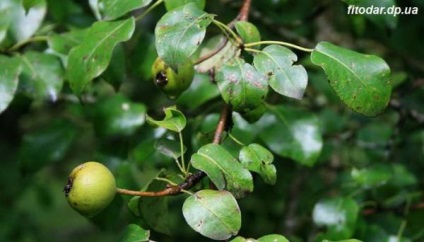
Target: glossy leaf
{"x":4,"y":21}
{"x":61,"y":44}
{"x":201,"y":91}
{"x":112,"y":9}
{"x":89,"y":59}
{"x":174,"y":120}
{"x":402,"y":177}
{"x":180,"y":32}
{"x":247,"y":31}
{"x":346,"y":240}
{"x":255,"y":114}
{"x":46,"y":145}
{"x":118,"y":116}
{"x":276,"y":62}
{"x":361,"y":81}
{"x":23,"y":25}
{"x":115,"y":73}
{"x":238,"y":239}
{"x":373,"y":176}
{"x":9,"y":73}
{"x":135,"y":233}
{"x":337,"y":214}
{"x":170,"y":148}
{"x":28,"y":4}
{"x":214,"y":214}
{"x":292,"y":133}
{"x":171,"y":4}
{"x":241,"y":85}
{"x":223,"y":170}
{"x":256,"y":158}
{"x":42,"y":76}
{"x":273,"y":238}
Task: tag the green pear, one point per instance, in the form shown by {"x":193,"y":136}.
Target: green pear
{"x":172,"y":82}
{"x":91,"y":188}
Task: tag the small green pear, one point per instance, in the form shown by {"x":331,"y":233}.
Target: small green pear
{"x":91,"y":188}
{"x":172,"y":82}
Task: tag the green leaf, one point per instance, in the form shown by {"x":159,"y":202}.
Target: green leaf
{"x":200,"y":91}
{"x":115,"y":73}
{"x":9,"y":73}
{"x":46,"y":145}
{"x":337,"y":214}
{"x":273,"y":238}
{"x":170,"y":148}
{"x":346,"y":240}
{"x":61,"y":44}
{"x":180,"y":32}
{"x":241,"y":85}
{"x":375,"y":133}
{"x":292,"y":133}
{"x":256,"y":158}
{"x":276,"y":62}
{"x":223,"y":169}
{"x":214,"y":214}
{"x":238,"y":239}
{"x":266,"y":238}
{"x":174,"y":120}
{"x":112,"y":9}
{"x":153,"y":210}
{"x":361,"y":81}
{"x":89,"y":59}
{"x":5,"y":19}
{"x":171,"y":4}
{"x":402,"y":176}
{"x":373,"y":176}
{"x":135,"y":233}
{"x":247,"y":31}
{"x":118,"y":116}
{"x":24,"y":25}
{"x":42,"y":76}
{"x":255,"y":114}
{"x":28,"y":4}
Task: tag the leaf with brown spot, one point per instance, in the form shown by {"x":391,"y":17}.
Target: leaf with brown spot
{"x":241,"y":85}
{"x":361,"y":81}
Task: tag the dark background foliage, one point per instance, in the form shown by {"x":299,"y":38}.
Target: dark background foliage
{"x":376,"y":162}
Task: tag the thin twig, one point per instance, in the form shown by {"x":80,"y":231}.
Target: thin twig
{"x":192,"y":179}
{"x":221,"y":124}
{"x":212,"y":53}
{"x":244,"y":10}
{"x":243,"y":16}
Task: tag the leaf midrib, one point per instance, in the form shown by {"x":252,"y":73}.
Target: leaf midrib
{"x":347,"y":67}
{"x":216,"y":215}
{"x":105,"y":38}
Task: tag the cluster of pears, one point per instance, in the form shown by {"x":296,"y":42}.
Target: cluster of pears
{"x":91,"y":186}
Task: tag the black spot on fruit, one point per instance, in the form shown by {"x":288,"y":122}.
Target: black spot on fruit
{"x":161,"y":79}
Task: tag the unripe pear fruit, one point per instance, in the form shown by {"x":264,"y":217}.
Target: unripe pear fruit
{"x":91,"y":188}
{"x":170,"y":81}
